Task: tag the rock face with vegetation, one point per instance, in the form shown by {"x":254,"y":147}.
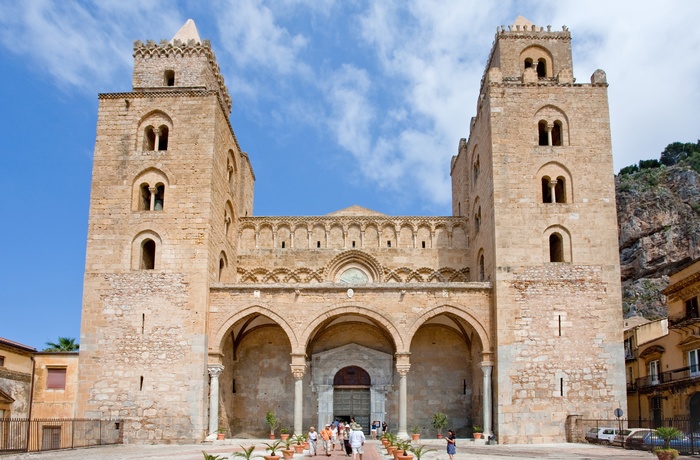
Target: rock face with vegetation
{"x":658,"y":209}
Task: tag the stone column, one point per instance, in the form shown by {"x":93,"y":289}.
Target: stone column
{"x":215,"y":371}
{"x":402,"y":367}
{"x":298,"y":370}
{"x":553,"y":192}
{"x":486,"y":368}
{"x":152,"y":204}
{"x":549,"y":134}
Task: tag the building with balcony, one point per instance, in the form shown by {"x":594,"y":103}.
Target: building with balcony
{"x":662,"y":358}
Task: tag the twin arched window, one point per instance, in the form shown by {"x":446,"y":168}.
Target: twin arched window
{"x":155,"y":138}
{"x":152,"y":197}
{"x":554,"y":190}
{"x":549,"y":134}
{"x":540,"y":68}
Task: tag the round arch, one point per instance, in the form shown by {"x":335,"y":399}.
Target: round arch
{"x":470,"y":318}
{"x":217,"y":339}
{"x":372,"y":315}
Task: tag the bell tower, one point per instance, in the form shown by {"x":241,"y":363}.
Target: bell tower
{"x":536,"y":178}
{"x":169,"y":181}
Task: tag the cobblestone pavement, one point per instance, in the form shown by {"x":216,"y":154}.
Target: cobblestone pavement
{"x":373,"y":451}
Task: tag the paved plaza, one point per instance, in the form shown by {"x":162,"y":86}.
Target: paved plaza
{"x":373,"y":451}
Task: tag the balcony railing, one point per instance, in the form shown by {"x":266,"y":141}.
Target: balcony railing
{"x":23,"y":435}
{"x":676,"y":375}
{"x":682,"y":320}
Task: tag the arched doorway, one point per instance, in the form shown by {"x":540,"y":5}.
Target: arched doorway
{"x":351,"y":381}
{"x":351,"y":396}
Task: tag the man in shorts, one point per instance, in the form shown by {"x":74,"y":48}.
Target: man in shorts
{"x":357,"y":441}
{"x":326,"y":435}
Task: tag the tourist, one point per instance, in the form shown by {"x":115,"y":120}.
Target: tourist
{"x":451,"y":444}
{"x":385,"y":428}
{"x":373,"y":430}
{"x":357,"y":441}
{"x":334,"y":435}
{"x":313,"y":437}
{"x":326,"y":435}
{"x":346,"y":441}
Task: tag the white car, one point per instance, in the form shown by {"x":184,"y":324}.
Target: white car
{"x":601,"y":435}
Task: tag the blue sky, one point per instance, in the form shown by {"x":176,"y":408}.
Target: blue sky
{"x":336,"y":102}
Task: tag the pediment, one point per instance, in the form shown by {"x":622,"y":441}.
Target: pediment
{"x":6,"y":398}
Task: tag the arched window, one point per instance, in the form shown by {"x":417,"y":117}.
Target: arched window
{"x":148,"y":254}
{"x":543,"y":134}
{"x":482,"y":273}
{"x":477,"y":219}
{"x":546,"y":190}
{"x":541,"y":68}
{"x":159,"y":199}
{"x":556,"y":133}
{"x":476,"y":168}
{"x":556,"y":248}
{"x":560,"y":190}
{"x":528,"y":63}
{"x":169,"y":78}
{"x":149,"y":139}
{"x":222,"y":266}
{"x":145,"y":201}
{"x":162,"y":137}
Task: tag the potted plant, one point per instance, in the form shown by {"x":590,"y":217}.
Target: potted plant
{"x":667,"y":433}
{"x":284,"y":433}
{"x":272,"y":448}
{"x":385,"y":439}
{"x":288,"y":452}
{"x":439,"y":423}
{"x":220,"y":433}
{"x":477,"y":430}
{"x":415,"y":433}
{"x":212,"y":457}
{"x":401,"y":447}
{"x":419,"y":451}
{"x":298,"y":443}
{"x":272,"y":422}
{"x":247,"y":453}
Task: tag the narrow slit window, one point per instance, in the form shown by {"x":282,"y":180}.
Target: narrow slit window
{"x":163,"y":138}
{"x":222,"y":266}
{"x":561,"y":386}
{"x":143,"y":323}
{"x":141,"y":383}
{"x":542,"y":133}
{"x":556,"y":248}
{"x":283,"y":244}
{"x":388,"y":244}
{"x":353,"y":243}
{"x":422,"y":243}
{"x":318,"y":244}
{"x":556,"y":133}
{"x":560,"y":190}
{"x":546,"y":190}
{"x":160,"y":198}
{"x":559,"y":325}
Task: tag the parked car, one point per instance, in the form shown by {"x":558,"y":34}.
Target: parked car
{"x":648,"y":440}
{"x":622,"y":436}
{"x":601,"y":434}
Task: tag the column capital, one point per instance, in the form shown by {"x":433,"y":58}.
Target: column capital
{"x":215,"y":370}
{"x":298,"y":370}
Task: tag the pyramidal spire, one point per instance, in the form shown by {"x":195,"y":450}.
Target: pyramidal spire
{"x":519,"y":21}
{"x":187,"y":32}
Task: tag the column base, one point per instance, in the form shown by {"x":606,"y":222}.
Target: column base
{"x":403,"y":435}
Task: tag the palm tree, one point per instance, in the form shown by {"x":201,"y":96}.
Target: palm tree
{"x":64,"y":344}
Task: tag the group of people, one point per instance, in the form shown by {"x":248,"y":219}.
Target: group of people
{"x":347,"y":436}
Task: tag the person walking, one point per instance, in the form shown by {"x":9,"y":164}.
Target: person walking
{"x":373,"y":430}
{"x":357,"y":442}
{"x":313,"y":437}
{"x":384,"y":427}
{"x":451,"y":444}
{"x":346,"y":441}
{"x":326,"y":435}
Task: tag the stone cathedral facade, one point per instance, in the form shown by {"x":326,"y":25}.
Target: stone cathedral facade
{"x":197,"y":314}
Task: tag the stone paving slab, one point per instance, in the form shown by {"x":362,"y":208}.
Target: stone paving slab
{"x":373,"y":451}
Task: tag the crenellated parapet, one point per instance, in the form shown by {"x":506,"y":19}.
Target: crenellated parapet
{"x":179,"y":49}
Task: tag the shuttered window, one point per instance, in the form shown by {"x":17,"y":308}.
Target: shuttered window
{"x":56,"y":378}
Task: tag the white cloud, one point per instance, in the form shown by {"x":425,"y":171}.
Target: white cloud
{"x":80,"y":44}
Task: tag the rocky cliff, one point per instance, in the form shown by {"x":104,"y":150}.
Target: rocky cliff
{"x":658,"y":212}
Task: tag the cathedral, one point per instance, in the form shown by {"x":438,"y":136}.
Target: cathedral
{"x":200,"y":316}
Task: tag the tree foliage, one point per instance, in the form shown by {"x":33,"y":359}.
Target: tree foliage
{"x":678,"y":151}
{"x":63,"y":344}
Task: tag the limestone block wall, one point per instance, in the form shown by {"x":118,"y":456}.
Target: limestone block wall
{"x":143,"y":335}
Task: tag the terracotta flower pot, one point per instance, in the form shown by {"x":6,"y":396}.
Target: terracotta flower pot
{"x":390,"y":450}
{"x":284,"y":436}
{"x":288,"y":454}
{"x":298,"y":448}
{"x":405,"y":457}
{"x":439,"y":436}
{"x":396,"y":453}
{"x":220,"y":436}
{"x":385,"y":442}
{"x":305,"y":444}
{"x":477,"y":435}
{"x":271,"y":457}
{"x":415,"y":436}
{"x":272,"y":436}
